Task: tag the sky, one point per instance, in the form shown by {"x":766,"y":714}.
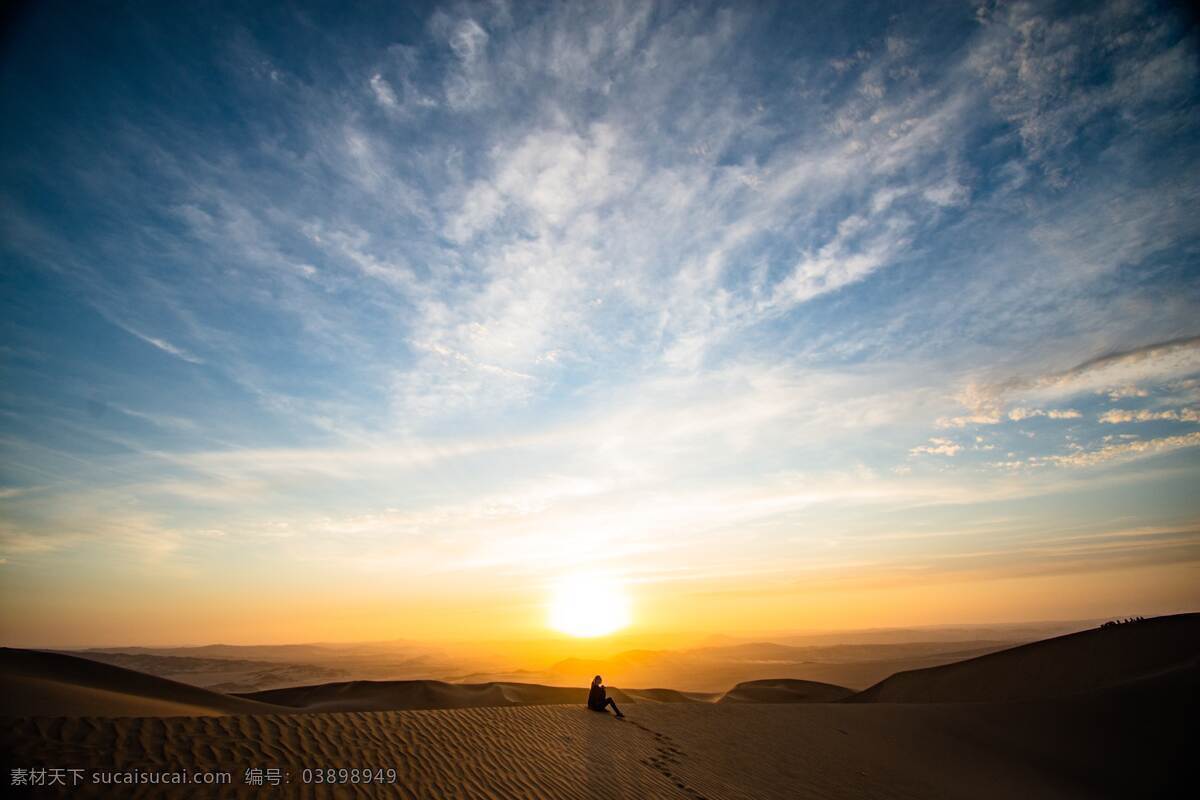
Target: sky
{"x":333,"y":323}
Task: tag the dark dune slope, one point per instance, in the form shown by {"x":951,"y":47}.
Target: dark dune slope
{"x":34,"y":683}
{"x":662,"y":696}
{"x":1079,"y":663}
{"x":41,"y":684}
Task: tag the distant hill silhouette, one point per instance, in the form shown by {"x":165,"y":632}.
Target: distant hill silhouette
{"x":784,"y":690}
{"x":716,"y":669}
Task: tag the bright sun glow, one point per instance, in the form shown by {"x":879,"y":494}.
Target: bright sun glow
{"x":588,"y":605}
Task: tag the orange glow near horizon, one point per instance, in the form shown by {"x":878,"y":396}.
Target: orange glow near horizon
{"x":526,"y":618}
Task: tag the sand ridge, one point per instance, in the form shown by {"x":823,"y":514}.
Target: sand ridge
{"x":38,"y":683}
{"x":54,"y":684}
{"x":785,"y":690}
{"x":1077,"y":663}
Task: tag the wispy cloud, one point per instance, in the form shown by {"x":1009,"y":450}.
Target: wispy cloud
{"x":938,"y":446}
{"x":1125,"y":451}
{"x":1119,"y":372}
{"x":668,"y":279}
{"x":164,"y":345}
{"x":1116,"y":416}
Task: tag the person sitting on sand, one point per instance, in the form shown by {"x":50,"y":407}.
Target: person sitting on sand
{"x":598,"y":700}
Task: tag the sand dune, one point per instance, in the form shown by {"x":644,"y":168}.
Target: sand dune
{"x":1088,"y":661}
{"x":53,"y":685}
{"x":220,"y":674}
{"x":424,"y":695}
{"x":664,"y":696}
{"x":417,"y":695}
{"x":255,"y":668}
{"x":1103,"y":713}
{"x":735,"y":751}
{"x":785,"y":691}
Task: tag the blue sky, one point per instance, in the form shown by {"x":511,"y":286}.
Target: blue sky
{"x":459,"y":297}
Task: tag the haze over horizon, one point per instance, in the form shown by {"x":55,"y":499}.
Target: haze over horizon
{"x":626,"y":639}
{"x":399,"y":325}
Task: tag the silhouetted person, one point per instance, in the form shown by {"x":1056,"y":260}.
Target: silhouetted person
{"x":598,"y":700}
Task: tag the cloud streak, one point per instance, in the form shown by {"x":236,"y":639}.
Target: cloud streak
{"x":636,"y":279}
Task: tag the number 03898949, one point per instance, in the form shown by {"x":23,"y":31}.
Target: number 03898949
{"x":349,"y":775}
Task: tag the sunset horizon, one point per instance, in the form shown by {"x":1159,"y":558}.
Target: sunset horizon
{"x":547,"y":637}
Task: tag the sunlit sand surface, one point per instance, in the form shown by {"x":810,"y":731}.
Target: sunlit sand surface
{"x":1117,"y":729}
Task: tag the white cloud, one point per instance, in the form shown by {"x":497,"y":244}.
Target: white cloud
{"x":468,"y":41}
{"x":384,"y":92}
{"x":937,"y":446}
{"x":839,"y":263}
{"x":1124,"y":452}
{"x":1121,"y":392}
{"x":1116,"y":416}
{"x":968,"y":419}
{"x":1020,"y":413}
{"x":1160,"y":361}
{"x":1034,"y":67}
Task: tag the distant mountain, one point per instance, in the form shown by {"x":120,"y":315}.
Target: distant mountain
{"x":714,"y":669}
{"x":269,"y":652}
{"x":248,"y":668}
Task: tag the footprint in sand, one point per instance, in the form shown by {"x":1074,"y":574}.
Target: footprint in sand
{"x":667,"y":754}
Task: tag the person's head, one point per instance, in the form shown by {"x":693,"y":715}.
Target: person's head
{"x":596,"y":681}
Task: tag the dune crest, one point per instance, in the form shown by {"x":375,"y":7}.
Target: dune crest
{"x":45,"y":684}
{"x":415,"y":695}
{"x":34,"y":683}
{"x":1078,"y":663}
{"x":785,"y":691}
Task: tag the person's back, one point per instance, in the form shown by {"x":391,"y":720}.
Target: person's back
{"x":598,"y":699}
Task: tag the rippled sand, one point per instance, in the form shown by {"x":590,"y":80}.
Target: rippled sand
{"x":661,"y":750}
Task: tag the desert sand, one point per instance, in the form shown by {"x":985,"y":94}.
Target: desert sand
{"x":1059,"y":667}
{"x":1019,"y":727}
{"x":50,"y":684}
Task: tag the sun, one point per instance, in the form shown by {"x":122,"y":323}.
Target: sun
{"x":588,"y":604}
